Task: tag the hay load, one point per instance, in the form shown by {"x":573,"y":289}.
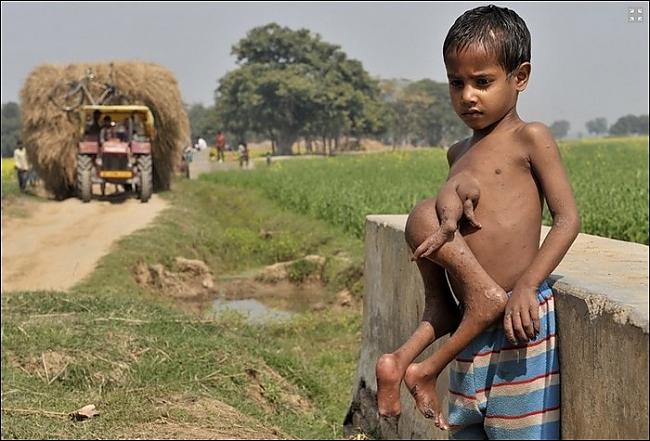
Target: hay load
{"x":51,"y":134}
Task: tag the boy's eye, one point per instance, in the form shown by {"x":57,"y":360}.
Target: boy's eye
{"x":482,"y":82}
{"x":456,"y":84}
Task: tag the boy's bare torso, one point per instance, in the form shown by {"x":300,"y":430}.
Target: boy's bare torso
{"x":510,"y":206}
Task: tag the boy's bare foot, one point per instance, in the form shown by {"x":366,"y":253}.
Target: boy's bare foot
{"x":389,"y":377}
{"x":422,"y":386}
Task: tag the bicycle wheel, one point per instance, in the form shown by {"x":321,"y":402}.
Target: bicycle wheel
{"x":67,"y":95}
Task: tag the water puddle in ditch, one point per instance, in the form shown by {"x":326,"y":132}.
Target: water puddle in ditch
{"x":262,"y":303}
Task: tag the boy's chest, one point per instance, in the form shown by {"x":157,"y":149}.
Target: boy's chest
{"x":492,"y":161}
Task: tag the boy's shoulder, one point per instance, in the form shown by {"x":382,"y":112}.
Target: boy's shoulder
{"x":454,"y":150}
{"x":535,"y":134}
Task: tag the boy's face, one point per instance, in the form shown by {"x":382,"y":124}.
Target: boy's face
{"x":481,"y":91}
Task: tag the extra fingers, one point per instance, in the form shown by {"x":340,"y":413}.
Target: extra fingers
{"x":468,"y":209}
{"x":427,"y":247}
{"x":419,"y":250}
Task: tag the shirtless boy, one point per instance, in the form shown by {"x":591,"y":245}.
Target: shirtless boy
{"x":504,"y":382}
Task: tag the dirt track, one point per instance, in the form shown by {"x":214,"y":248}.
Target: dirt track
{"x":59,"y":243}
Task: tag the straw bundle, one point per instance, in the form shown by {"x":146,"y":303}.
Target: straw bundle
{"x":51,"y":134}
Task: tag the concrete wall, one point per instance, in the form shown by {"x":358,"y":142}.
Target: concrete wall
{"x":601,"y":290}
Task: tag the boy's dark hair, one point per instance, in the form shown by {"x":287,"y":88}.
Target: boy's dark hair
{"x":498,"y":30}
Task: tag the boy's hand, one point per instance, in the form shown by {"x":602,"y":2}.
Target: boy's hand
{"x":521,"y":319}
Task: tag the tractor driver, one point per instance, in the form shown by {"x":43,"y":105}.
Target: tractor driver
{"x":108,"y":130}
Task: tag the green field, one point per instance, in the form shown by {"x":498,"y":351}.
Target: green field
{"x":9,"y":182}
{"x":609,"y":178}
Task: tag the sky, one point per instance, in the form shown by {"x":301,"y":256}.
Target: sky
{"x":588,"y":59}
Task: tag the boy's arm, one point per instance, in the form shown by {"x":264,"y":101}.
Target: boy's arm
{"x":521,"y":320}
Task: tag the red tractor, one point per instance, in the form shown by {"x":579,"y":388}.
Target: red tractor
{"x":115,"y":148}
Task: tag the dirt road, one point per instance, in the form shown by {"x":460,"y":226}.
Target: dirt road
{"x":59,"y":243}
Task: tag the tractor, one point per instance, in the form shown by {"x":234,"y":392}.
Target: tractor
{"x":119,"y":152}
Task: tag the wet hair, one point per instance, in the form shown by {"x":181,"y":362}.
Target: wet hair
{"x":499,"y":31}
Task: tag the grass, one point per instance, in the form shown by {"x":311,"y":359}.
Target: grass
{"x":609,"y":177}
{"x":127,"y":350}
{"x":9,"y":180}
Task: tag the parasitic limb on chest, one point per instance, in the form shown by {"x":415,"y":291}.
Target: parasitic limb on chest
{"x":459,"y":196}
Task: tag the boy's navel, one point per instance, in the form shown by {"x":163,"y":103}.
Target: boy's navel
{"x":497,"y":171}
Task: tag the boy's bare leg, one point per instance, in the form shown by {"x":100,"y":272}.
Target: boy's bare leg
{"x":484,"y":301}
{"x":440,"y":316}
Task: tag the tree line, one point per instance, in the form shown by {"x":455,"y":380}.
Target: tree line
{"x":290,"y":85}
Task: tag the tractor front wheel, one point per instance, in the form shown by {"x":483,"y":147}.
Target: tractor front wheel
{"x":84,"y":177}
{"x":145,"y":166}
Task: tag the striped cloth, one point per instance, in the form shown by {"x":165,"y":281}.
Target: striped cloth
{"x":501,"y":391}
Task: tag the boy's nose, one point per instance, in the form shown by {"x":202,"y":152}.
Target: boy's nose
{"x":469,"y":95}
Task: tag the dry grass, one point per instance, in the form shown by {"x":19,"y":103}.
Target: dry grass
{"x":51,"y":134}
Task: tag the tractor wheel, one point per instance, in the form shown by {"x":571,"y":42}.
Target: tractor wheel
{"x":145,"y":167}
{"x":84,"y":177}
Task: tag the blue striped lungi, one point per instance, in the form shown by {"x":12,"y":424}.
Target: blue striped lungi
{"x":501,"y":391}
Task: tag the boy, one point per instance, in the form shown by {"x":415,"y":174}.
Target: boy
{"x":505,"y":380}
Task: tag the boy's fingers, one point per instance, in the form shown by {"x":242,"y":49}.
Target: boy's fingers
{"x":534,"y":316}
{"x":507,"y":327}
{"x":527,"y":324}
{"x":518,"y":328}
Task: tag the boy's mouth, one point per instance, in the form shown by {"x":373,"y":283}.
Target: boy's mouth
{"x":472,"y":114}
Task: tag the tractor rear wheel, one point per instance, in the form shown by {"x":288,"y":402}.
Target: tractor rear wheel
{"x":84,"y":177}
{"x":145,"y":166}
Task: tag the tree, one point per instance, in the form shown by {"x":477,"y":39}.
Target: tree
{"x":597,"y":126}
{"x":204,"y":122}
{"x":421,"y":113}
{"x":291,"y":84}
{"x":560,"y":128}
{"x":10,"y":128}
{"x":630,"y":125}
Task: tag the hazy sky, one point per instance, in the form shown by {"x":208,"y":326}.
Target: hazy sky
{"x":588,"y":59}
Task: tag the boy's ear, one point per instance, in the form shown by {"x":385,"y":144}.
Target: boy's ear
{"x":522,"y":75}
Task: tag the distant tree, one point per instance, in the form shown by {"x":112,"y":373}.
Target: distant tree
{"x":421,"y":113}
{"x":10,"y":128}
{"x":597,"y":126}
{"x":291,"y":84}
{"x":642,"y":125}
{"x":560,"y":128}
{"x":630,"y":125}
{"x":204,"y":122}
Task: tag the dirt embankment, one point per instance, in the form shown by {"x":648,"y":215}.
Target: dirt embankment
{"x":59,"y":243}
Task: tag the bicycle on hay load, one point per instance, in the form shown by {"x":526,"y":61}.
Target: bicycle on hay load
{"x":70,"y":95}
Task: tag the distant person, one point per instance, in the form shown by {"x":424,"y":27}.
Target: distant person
{"x":221,"y":146}
{"x":200,"y":144}
{"x":188,"y":155}
{"x":242,"y":150}
{"x":21,"y":165}
{"x":268,"y":158}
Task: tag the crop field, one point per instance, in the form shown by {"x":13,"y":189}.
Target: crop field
{"x":609,"y":178}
